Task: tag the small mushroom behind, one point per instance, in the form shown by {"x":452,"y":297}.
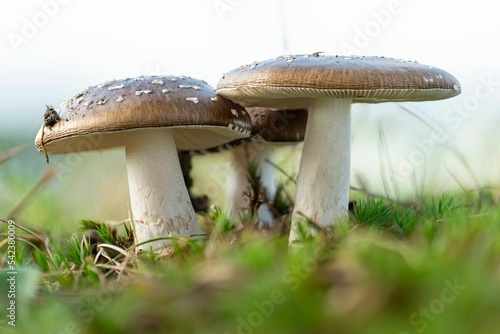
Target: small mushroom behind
{"x":152,"y":126}
{"x":270,"y":129}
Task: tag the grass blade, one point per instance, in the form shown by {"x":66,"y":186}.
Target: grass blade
{"x":12,"y":152}
{"x":385,"y":161}
{"x":46,"y":178}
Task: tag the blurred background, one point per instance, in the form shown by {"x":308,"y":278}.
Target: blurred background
{"x":52,"y":49}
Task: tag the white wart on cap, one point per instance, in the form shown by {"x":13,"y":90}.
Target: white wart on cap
{"x":152,"y":117}
{"x":327,"y":86}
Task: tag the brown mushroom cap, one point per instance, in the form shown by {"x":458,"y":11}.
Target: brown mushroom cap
{"x":274,"y":83}
{"x":101,"y":114}
{"x":268,"y":126}
{"x":278,"y":126}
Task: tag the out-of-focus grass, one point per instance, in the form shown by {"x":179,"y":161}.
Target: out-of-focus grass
{"x":426,"y":265}
{"x":364,"y":280}
{"x":97,"y":179}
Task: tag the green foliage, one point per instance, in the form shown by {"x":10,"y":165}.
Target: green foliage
{"x":443,"y":206}
{"x":256,"y":193}
{"x":387,"y":269}
{"x":219,"y":221}
{"x":283,"y":202}
{"x":78,"y":250}
{"x":386,"y":215}
{"x":104,"y":232}
{"x":373,"y":212}
{"x":303,"y":227}
{"x":405,"y":220}
{"x":357,"y":269}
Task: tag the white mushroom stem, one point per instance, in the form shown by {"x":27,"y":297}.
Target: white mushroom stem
{"x":159,"y":199}
{"x":238,"y":183}
{"x":324,"y":171}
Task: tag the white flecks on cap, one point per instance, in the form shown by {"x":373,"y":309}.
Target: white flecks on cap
{"x":106,"y":83}
{"x":164,"y":91}
{"x":254,"y":65}
{"x":120,"y":99}
{"x":88,"y":103}
{"x":116,"y":87}
{"x":173,"y":79}
{"x":234,"y":112}
{"x":214,"y":98}
{"x":140,"y":92}
{"x":65,"y":104}
{"x":101,"y":101}
{"x":192,"y":99}
{"x":157,"y":82}
{"x":188,"y":86}
{"x":139,"y":79}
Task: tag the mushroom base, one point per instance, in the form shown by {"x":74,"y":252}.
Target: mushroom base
{"x":159,"y":199}
{"x":324,"y":171}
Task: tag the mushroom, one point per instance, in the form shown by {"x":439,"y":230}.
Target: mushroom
{"x":152,"y":117}
{"x":327,"y":86}
{"x":270,"y":129}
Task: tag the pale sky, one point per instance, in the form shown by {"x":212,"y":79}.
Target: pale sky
{"x":52,"y":49}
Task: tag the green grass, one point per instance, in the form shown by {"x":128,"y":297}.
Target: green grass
{"x":426,"y":265}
